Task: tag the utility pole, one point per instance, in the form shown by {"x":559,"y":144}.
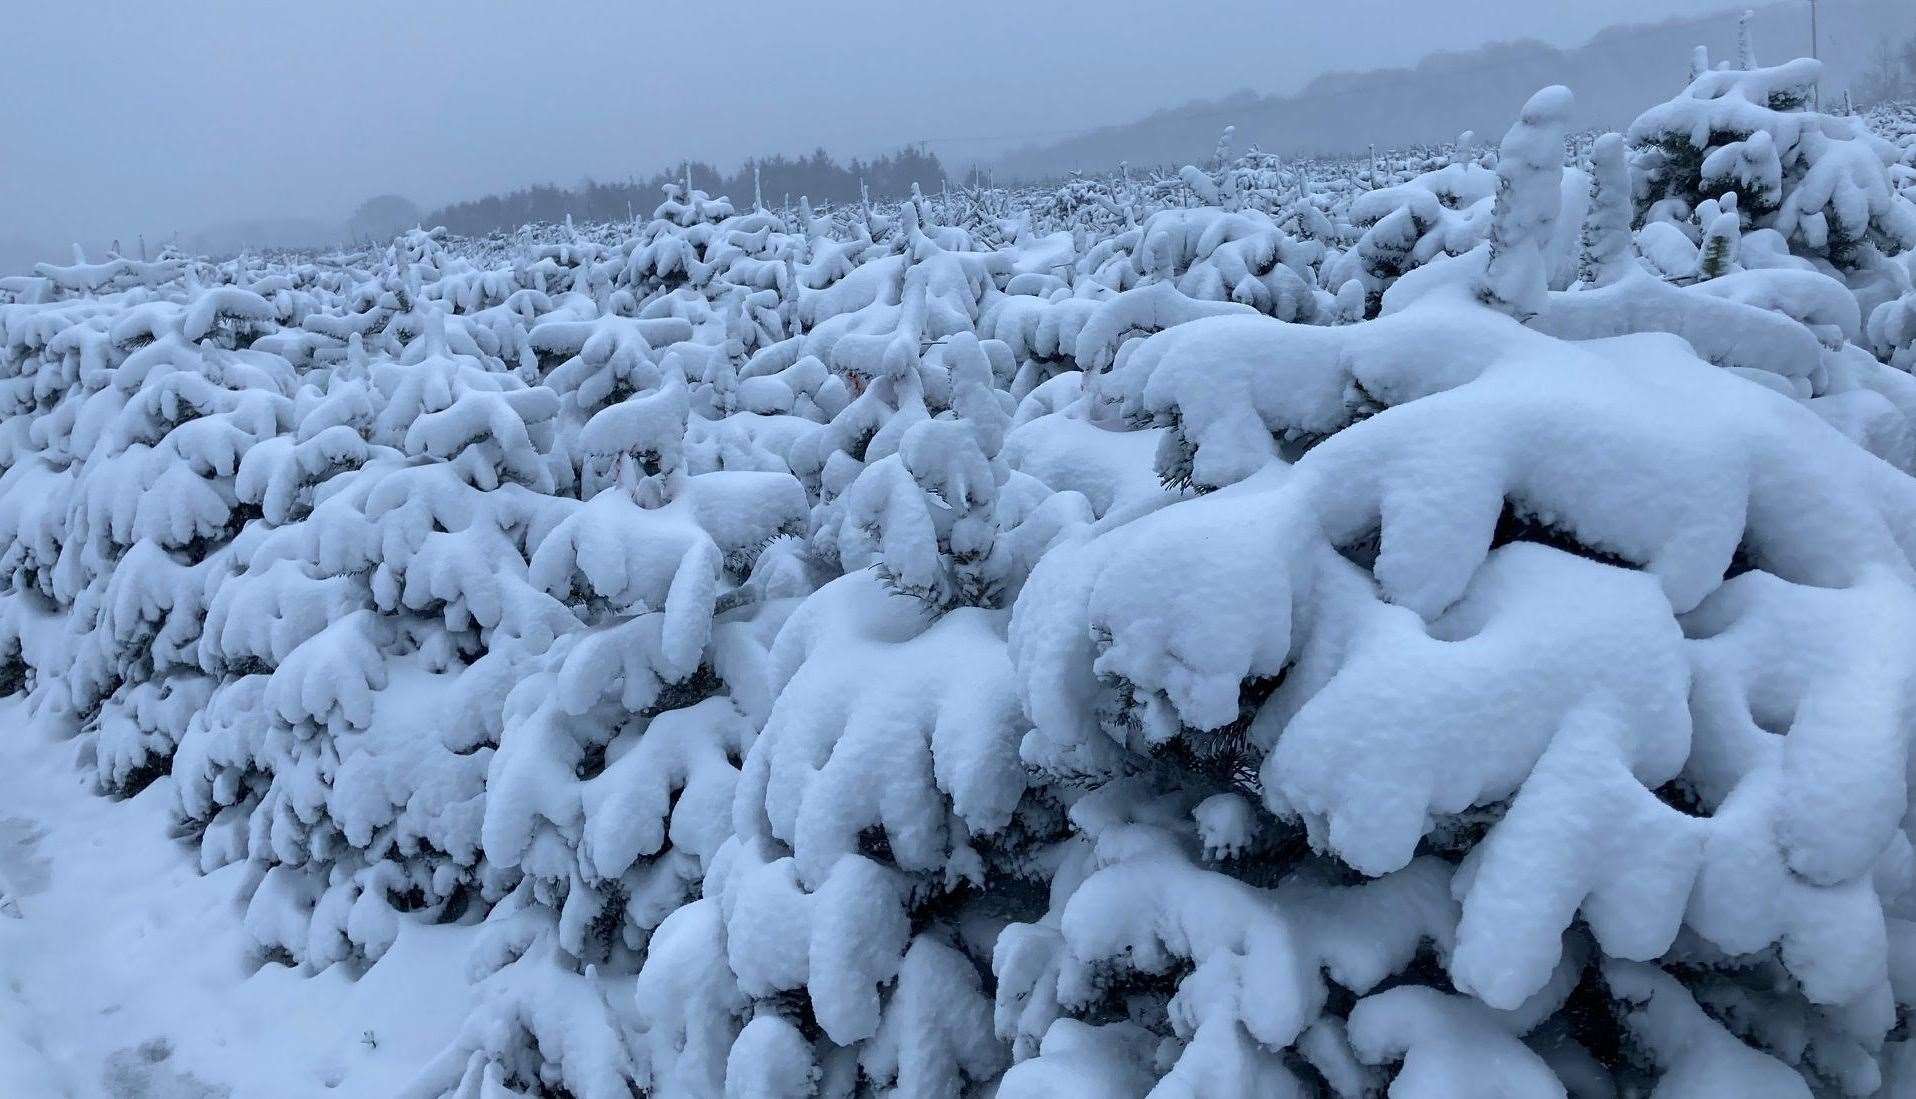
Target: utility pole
{"x":1816,"y":90}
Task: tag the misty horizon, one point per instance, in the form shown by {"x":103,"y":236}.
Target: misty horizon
{"x":439,"y":113}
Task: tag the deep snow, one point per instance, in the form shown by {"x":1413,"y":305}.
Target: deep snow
{"x":126,"y":974}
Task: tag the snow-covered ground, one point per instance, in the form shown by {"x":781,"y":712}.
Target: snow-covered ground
{"x":126,"y":973}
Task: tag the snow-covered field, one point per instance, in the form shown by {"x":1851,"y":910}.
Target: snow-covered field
{"x":1443,"y":626}
{"x":126,"y":972}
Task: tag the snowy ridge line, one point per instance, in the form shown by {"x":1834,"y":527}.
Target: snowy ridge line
{"x":1243,"y":633}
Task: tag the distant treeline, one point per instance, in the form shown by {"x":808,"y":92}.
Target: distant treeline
{"x":818,"y":176}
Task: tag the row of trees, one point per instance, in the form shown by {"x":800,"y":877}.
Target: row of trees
{"x":819,"y":176}
{"x":1216,"y":635}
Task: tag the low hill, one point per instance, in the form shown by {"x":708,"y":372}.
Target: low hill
{"x":1616,"y":75}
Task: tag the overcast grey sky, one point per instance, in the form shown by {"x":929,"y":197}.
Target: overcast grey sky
{"x":142,"y":116}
